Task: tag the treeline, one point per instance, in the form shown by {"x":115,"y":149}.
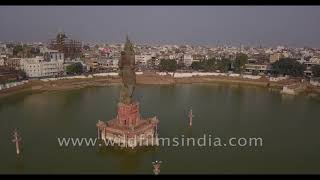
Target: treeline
{"x":25,"y":51}
{"x":289,"y":66}
{"x":168,"y":65}
{"x":210,"y":65}
{"x":75,"y":69}
{"x":223,"y":65}
{"x":285,"y":66}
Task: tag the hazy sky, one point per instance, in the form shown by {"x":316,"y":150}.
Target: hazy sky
{"x":251,"y":25}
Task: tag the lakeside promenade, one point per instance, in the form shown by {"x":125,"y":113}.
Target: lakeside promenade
{"x":159,"y":78}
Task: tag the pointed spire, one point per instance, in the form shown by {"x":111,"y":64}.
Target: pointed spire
{"x":127,"y":38}
{"x":128,"y":46}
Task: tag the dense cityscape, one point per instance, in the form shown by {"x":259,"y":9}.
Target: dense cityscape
{"x":159,"y":90}
{"x":63,"y":55}
{"x":66,"y":57}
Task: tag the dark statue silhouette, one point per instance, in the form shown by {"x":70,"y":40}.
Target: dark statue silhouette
{"x":127,"y":72}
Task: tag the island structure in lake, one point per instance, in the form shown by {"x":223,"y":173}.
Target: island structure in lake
{"x":128,"y":129}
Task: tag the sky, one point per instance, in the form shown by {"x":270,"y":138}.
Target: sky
{"x":295,"y":26}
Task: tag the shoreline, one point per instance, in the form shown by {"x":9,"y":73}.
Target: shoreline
{"x":38,"y":86}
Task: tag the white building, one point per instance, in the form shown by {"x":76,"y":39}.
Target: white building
{"x":53,"y":55}
{"x":115,"y":62}
{"x":172,"y":56}
{"x":143,"y":58}
{"x":39,"y":67}
{"x":260,"y":68}
{"x":274,"y":57}
{"x":1,"y":61}
{"x":187,"y":59}
{"x":43,"y":50}
{"x":31,"y":66}
{"x":315,"y":60}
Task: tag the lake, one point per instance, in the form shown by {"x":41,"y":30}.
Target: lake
{"x":288,"y":125}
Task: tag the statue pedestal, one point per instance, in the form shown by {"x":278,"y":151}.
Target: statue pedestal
{"x":128,"y":129}
{"x":128,"y":114}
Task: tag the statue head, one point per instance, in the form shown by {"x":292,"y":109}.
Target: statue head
{"x":128,"y":46}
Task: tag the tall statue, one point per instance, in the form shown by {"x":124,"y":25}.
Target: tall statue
{"x":127,"y":72}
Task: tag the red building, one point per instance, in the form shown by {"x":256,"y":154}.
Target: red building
{"x":128,"y":129}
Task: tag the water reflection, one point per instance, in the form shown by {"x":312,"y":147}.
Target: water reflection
{"x":129,"y":161}
{"x":19,"y":164}
{"x":286,"y":98}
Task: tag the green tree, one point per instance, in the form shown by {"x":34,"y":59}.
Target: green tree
{"x":255,"y":72}
{"x":17,"y":50}
{"x":207,"y":65}
{"x":316,"y":70}
{"x":197,"y":65}
{"x":34,"y":52}
{"x":239,"y":62}
{"x":75,"y":68}
{"x":210,"y":65}
{"x":22,"y":75}
{"x":288,"y":66}
{"x":224,"y":65}
{"x":168,"y":65}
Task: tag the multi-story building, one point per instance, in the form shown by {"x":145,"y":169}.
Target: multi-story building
{"x":31,"y":66}
{"x":187,"y":59}
{"x":70,"y":48}
{"x":53,"y":55}
{"x":12,"y":63}
{"x":260,"y":68}
{"x":42,"y":66}
{"x":7,"y":75}
{"x":274,"y":57}
{"x":143,"y":58}
{"x":198,"y":57}
{"x":1,"y":61}
{"x":315,"y":60}
{"x":115,"y":63}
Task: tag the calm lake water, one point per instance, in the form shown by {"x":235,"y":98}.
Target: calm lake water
{"x":288,"y":125}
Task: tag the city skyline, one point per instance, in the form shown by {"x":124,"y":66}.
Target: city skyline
{"x":200,"y":25}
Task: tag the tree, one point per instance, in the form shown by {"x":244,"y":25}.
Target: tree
{"x":86,"y":47}
{"x":75,"y":68}
{"x":207,"y":65}
{"x":255,"y":72}
{"x":180,"y":66}
{"x":168,"y":65}
{"x":17,"y":49}
{"x":316,"y":70}
{"x":224,"y":65}
{"x":210,"y":65}
{"x":22,"y":75}
{"x":196,"y":65}
{"x":288,"y":66}
{"x":34,"y":51}
{"x":239,"y":62}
